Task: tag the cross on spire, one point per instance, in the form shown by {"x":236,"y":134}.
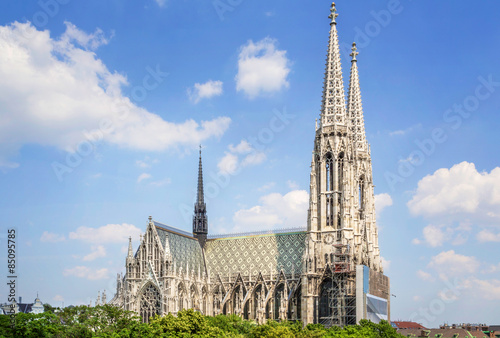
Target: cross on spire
{"x":354,"y":52}
{"x":333,"y":15}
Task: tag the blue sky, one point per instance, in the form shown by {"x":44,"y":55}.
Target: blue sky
{"x":103,"y":105}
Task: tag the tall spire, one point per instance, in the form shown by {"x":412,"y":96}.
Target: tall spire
{"x":333,"y":101}
{"x":200,"y":222}
{"x":354,"y":105}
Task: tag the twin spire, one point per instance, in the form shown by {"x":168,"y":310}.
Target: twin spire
{"x":334,"y":111}
{"x":354,"y":105}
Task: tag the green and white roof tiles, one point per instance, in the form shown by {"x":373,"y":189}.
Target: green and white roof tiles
{"x":247,"y":254}
{"x":251,"y":254}
{"x":184,"y":248}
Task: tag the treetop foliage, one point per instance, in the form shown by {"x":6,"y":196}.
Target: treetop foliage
{"x":111,"y":322}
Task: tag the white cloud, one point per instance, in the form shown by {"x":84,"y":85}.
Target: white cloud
{"x":254,"y":158}
{"x":51,"y":238}
{"x":488,"y":236}
{"x":275,"y":210}
{"x":382,"y":201}
{"x":242,"y":148}
{"x":458,"y":199}
{"x":86,"y":272}
{"x":434,"y":236}
{"x":416,"y":241}
{"x":386,"y":264}
{"x":403,"y":132}
{"x":231,"y":162}
{"x":262,"y":68}
{"x":450,"y":264}
{"x":425,"y":276}
{"x":146,"y":163}
{"x":492,"y":268}
{"x":56,"y":92}
{"x":161,"y":3}
{"x":111,"y":233}
{"x":459,"y":191}
{"x":97,"y":251}
{"x":205,"y":90}
{"x":142,"y":164}
{"x":228,"y":164}
{"x":58,"y":298}
{"x":143,"y":176}
{"x":87,"y":41}
{"x":266,"y":186}
{"x":486,"y":289}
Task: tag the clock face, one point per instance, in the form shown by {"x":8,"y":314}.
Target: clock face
{"x":328,"y":239}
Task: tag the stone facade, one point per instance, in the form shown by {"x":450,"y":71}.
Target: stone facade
{"x":303,"y":274}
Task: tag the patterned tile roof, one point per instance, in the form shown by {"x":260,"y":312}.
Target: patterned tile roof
{"x":184,"y":248}
{"x":256,"y":253}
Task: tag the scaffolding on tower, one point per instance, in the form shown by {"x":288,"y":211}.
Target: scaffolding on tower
{"x":342,"y":290}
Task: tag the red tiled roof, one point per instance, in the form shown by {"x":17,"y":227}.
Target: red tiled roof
{"x":408,"y":325}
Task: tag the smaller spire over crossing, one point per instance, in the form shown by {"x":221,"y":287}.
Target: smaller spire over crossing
{"x":200,"y":223}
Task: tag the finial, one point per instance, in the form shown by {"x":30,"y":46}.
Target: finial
{"x":150,"y":218}
{"x":333,"y":15}
{"x":200,"y":149}
{"x":354,"y":52}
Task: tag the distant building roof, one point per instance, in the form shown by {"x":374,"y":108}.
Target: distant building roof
{"x":25,"y":307}
{"x":407,"y":325}
{"x":444,"y":333}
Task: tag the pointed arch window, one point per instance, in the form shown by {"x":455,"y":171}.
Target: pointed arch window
{"x":150,"y":303}
{"x":330,"y":187}
{"x":340,"y":187}
{"x":329,"y":171}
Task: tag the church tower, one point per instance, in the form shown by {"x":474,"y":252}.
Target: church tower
{"x":342,"y":232}
{"x":341,"y":208}
{"x":200,"y":222}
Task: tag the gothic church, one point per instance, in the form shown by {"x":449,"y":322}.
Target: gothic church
{"x":329,"y":272}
